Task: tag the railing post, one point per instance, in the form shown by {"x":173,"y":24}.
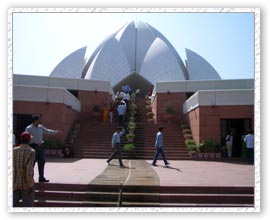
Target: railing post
{"x":120,"y":195}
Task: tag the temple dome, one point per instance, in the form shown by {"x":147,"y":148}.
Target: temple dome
{"x":137,"y":49}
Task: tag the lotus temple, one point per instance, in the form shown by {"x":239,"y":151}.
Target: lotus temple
{"x":140,"y":56}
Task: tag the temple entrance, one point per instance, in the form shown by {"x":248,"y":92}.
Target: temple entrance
{"x":135,"y":81}
{"x":20,"y":122}
{"x":237,"y":127}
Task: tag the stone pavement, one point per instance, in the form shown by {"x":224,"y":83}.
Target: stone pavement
{"x":136,"y":172}
{"x":140,"y":172}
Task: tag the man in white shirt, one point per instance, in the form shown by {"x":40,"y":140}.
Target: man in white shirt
{"x":37,"y":130}
{"x":121,"y":111}
{"x":249,"y":140}
{"x":229,"y":143}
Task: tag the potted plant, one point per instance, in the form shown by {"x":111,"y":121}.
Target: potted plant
{"x":188,"y":136}
{"x":169,"y":113}
{"x":151,"y":120}
{"x":210,"y":148}
{"x":130,"y":137}
{"x":131,"y":118}
{"x":53,"y":147}
{"x":96,"y":111}
{"x":192,"y":148}
{"x":150,"y":114}
{"x":183,"y":125}
{"x":148,"y":108}
{"x":131,"y":125}
{"x":129,"y":148}
{"x":148,"y":102}
{"x":186,"y":131}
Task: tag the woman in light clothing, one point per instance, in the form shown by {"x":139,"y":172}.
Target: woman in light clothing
{"x":229,"y":143}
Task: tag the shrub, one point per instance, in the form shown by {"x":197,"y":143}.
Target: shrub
{"x":170,"y":110}
{"x":131,"y":119}
{"x":190,"y":142}
{"x":186,"y":131}
{"x":192,"y":147}
{"x":183,"y":126}
{"x":148,"y":107}
{"x":51,"y":143}
{"x":129,"y":147}
{"x":96,"y":108}
{"x":133,"y":106}
{"x":150,"y":114}
{"x":130,"y":135}
{"x":188,"y":136}
{"x":209,"y":146}
{"x":131,"y":125}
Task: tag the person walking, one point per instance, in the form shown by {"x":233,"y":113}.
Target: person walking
{"x":249,"y":140}
{"x":37,"y":130}
{"x":121,"y":111}
{"x":159,"y":147}
{"x":229,"y":143}
{"x":117,"y":150}
{"x":23,"y":172}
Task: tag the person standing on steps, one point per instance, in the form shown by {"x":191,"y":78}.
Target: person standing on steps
{"x":111,"y":112}
{"x":121,"y":111}
{"x":37,"y":130}
{"x":23,"y":172}
{"x":229,"y":143}
{"x":117,"y":150}
{"x":159,"y":147}
{"x":105,"y":112}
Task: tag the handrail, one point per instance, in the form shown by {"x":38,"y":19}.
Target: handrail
{"x":120,"y":195}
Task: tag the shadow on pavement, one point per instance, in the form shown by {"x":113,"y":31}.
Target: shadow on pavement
{"x":172,"y":168}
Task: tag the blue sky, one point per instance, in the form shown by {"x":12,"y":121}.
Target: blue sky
{"x":225,"y":40}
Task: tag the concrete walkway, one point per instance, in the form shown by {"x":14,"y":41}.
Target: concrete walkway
{"x":136,"y":172}
{"x":140,"y":172}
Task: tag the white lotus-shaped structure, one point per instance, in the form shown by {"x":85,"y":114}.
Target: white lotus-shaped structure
{"x":138,"y":54}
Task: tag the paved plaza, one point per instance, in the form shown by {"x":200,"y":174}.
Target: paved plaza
{"x":140,"y":172}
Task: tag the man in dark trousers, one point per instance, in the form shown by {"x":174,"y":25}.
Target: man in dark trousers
{"x":117,"y":150}
{"x":37,"y":130}
{"x":23,"y":172}
{"x":159,"y":147}
{"x":249,"y":140}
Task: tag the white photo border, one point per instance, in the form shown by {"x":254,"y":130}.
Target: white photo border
{"x":257,"y":101}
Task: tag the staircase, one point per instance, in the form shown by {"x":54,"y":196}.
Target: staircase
{"x":174,"y":142}
{"x":74,"y":195}
{"x":94,"y":139}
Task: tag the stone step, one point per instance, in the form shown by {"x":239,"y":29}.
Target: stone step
{"x":205,"y":205}
{"x":76,"y":195}
{"x":207,"y":198}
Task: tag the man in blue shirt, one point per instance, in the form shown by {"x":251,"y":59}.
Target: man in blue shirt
{"x":117,"y":150}
{"x":159,"y":149}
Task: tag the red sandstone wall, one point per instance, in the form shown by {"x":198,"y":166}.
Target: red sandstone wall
{"x":207,"y":120}
{"x":90,"y":98}
{"x":162,"y":100}
{"x":54,"y":115}
{"x":192,"y":118}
